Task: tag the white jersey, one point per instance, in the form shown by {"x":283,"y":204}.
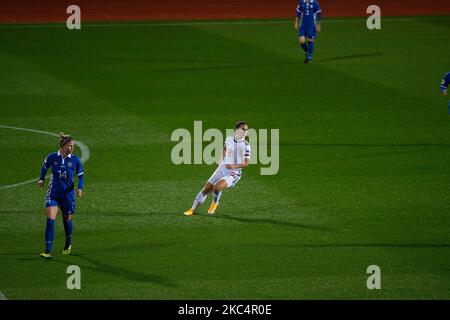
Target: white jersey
{"x":237,"y":151}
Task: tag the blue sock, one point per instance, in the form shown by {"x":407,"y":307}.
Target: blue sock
{"x":68,"y":230}
{"x":310,"y":48}
{"x":304,"y":47}
{"x":49,"y":235}
{"x":217,"y":196}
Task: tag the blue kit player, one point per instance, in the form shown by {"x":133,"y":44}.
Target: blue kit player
{"x":307,"y":22}
{"x":444,"y":84}
{"x":61,"y":191}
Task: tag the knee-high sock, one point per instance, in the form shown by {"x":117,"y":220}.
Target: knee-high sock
{"x":304,"y":47}
{"x":199,"y":200}
{"x":310,"y":47}
{"x":49,"y":235}
{"x":68,"y":227}
{"x":217,"y":196}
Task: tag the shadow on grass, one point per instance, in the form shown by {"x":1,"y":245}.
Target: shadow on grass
{"x":95,"y":264}
{"x":405,"y":145}
{"x":369,"y":245}
{"x":132,"y":247}
{"x":226,"y":67}
{"x":111,"y":270}
{"x":22,"y":253}
{"x":274,"y":222}
{"x":350,"y":57}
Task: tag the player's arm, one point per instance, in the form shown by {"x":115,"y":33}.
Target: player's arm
{"x":297,"y":17}
{"x":318,"y":13}
{"x":44,"y":169}
{"x":80,"y":174}
{"x":239,"y":166}
{"x":246,"y":160}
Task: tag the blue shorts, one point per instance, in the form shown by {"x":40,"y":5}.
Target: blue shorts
{"x":66,"y":204}
{"x":307,"y":31}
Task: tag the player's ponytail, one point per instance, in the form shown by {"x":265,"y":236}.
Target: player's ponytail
{"x":64,"y":139}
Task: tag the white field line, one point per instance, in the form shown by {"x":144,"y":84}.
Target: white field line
{"x":2,"y":296}
{"x":85,"y":153}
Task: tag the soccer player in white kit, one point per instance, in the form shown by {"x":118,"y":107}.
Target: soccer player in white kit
{"x":236,"y":155}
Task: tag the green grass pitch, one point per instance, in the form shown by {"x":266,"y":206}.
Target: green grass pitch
{"x":364,"y":173}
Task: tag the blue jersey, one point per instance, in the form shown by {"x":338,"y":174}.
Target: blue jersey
{"x":309,"y":10}
{"x":62,"y":182}
{"x":445,"y":81}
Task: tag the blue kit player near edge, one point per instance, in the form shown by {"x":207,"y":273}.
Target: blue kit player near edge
{"x":444,"y":84}
{"x":310,"y":13}
{"x":61,"y":191}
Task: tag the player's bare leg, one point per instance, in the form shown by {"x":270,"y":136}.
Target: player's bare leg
{"x":201,"y":197}
{"x":302,"y":40}
{"x":51,"y":212}
{"x":208,"y":188}
{"x":303,"y":45}
{"x":218,"y":187}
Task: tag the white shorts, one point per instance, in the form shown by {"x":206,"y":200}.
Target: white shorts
{"x":231,"y":177}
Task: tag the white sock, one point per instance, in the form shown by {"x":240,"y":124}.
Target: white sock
{"x":201,"y":197}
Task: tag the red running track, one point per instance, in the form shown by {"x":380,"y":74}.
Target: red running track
{"x":41,"y":11}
